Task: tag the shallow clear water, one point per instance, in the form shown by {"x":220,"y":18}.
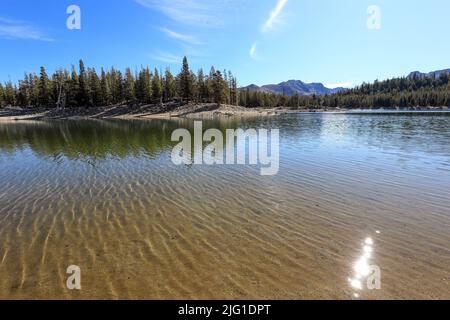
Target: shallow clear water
{"x":104,"y":195}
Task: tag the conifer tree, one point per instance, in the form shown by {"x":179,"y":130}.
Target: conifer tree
{"x":23,"y":96}
{"x":169,"y":85}
{"x":144,"y":85}
{"x":33,"y":80}
{"x":84,"y":94}
{"x":73,"y":91}
{"x":118,"y":84}
{"x":96,"y":96}
{"x":210,"y":84}
{"x":219,"y":87}
{"x":129,"y":93}
{"x":157,"y":88}
{"x":45,"y":96}
{"x":202,"y":86}
{"x":10,"y":94}
{"x":186,"y":81}
{"x":106,"y":89}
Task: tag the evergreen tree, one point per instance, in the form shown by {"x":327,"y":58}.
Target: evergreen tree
{"x":10,"y":94}
{"x":169,"y":85}
{"x":202,"y":86}
{"x":34,"y":89}
{"x":157,"y":88}
{"x":45,"y":89}
{"x":23,"y":97}
{"x":73,"y":92}
{"x":84,"y":92}
{"x":144,"y":86}
{"x":129,"y":93}
{"x":219,"y":87}
{"x":96,"y":96}
{"x":106,"y":89}
{"x":118,"y":87}
{"x":186,"y":81}
{"x":210,"y":84}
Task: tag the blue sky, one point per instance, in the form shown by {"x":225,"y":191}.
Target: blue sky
{"x":261,"y":41}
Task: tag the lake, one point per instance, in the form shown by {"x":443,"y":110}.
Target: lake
{"x":104,"y":195}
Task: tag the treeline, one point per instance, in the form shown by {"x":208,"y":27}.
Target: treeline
{"x":87,"y":88}
{"x":399,"y":92}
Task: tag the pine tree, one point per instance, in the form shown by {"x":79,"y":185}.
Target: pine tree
{"x":73,"y":91}
{"x":157,"y":88}
{"x":23,"y":96}
{"x":234,"y":91}
{"x":186,"y":81}
{"x":219,"y":87}
{"x":96,"y":97}
{"x":202,"y":86}
{"x":118,"y":87}
{"x":10,"y":94}
{"x":129,"y":86}
{"x":144,"y":86}
{"x":33,"y":80}
{"x":169,"y":85}
{"x":106,"y":89}
{"x":210,"y":84}
{"x":45,"y":89}
{"x":84,"y":92}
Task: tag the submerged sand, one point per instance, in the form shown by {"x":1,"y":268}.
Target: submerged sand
{"x":105,"y":197}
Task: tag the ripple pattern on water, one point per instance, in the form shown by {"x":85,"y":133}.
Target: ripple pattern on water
{"x":105,"y":196}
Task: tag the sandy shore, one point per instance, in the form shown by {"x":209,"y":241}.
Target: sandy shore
{"x":191,"y":110}
{"x":171,"y":111}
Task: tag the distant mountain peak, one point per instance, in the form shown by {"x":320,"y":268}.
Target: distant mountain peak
{"x":293,"y":87}
{"x":432,"y":74}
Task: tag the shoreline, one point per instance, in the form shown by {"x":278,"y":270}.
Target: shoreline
{"x":172,"y":111}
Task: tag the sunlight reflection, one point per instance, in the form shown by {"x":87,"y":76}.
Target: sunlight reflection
{"x":362,"y":267}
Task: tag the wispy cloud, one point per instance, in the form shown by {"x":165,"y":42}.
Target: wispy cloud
{"x":166,"y":57}
{"x":194,"y":12}
{"x":339,"y":85}
{"x":253,"y":51}
{"x":274,"y":15}
{"x":15,"y":29}
{"x":182,"y":37}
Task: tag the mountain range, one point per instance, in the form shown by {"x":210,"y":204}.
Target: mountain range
{"x":293,"y":87}
{"x":433,"y":74}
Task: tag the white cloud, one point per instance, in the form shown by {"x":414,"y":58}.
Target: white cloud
{"x":339,"y":85}
{"x":253,"y":51}
{"x":166,"y":57}
{"x":14,"y":29}
{"x":274,"y":15}
{"x":182,"y":37}
{"x":193,"y":12}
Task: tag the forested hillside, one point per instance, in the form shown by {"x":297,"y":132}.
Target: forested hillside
{"x":417,"y":91}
